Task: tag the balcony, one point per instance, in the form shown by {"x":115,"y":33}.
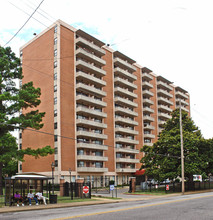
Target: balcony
{"x":161,"y":122}
{"x":126,"y":170}
{"x":151,"y":136}
{"x":148,"y":101}
{"x":148,"y":144}
{"x":179,"y":94}
{"x":123,"y":73}
{"x":125,"y":92}
{"x":84,"y":43}
{"x":182,"y":102}
{"x":147,"y":93}
{"x":91,"y":158}
{"x":124,"y":65}
{"x":163,"y":85}
{"x":127,"y":150}
{"x":90,"y":79}
{"x":122,"y":82}
{"x":80,"y":64}
{"x":90,"y":112}
{"x":126,"y":131}
{"x":162,"y":92}
{"x":81,"y":87}
{"x":91,"y":135}
{"x":148,"y":110}
{"x":148,"y":118}
{"x":125,"y":111}
{"x":147,"y":85}
{"x":164,"y":108}
{"x":89,"y":56}
{"x":92,"y":169}
{"x":148,"y":127}
{"x":147,"y":76}
{"x":90,"y":101}
{"x":126,"y":141}
{"x":182,"y":108}
{"x":90,"y":123}
{"x":92,"y":146}
{"x":164,"y":101}
{"x":127,"y":160}
{"x":164,"y":116}
{"x":125,"y":102}
{"x":126,"y":121}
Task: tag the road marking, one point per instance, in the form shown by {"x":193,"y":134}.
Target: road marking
{"x":136,"y":207}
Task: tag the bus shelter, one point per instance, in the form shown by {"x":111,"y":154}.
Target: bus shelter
{"x":25,"y":182}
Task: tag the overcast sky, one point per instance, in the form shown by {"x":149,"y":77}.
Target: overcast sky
{"x":173,"y":38}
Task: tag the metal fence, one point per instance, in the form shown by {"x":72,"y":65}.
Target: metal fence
{"x":174,"y":186}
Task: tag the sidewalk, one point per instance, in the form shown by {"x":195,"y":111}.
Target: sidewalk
{"x":98,"y":200}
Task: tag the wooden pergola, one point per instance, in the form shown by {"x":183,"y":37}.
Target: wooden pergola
{"x":23,"y":183}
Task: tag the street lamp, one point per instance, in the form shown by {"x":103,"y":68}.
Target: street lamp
{"x":70,"y":173}
{"x":53,"y":166}
{"x":182,"y":155}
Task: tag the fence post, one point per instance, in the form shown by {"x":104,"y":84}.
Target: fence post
{"x":90,"y":190}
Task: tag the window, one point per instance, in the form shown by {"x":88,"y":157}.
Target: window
{"x":55,"y":53}
{"x":55,"y":125}
{"x":55,"y":29}
{"x":55,"y":64}
{"x":80,"y":152}
{"x":55,"y":76}
{"x":55,"y":138}
{"x":56,"y":150}
{"x":20,"y":135}
{"x":56,"y":163}
{"x":20,"y":166}
{"x":55,"y":88}
{"x":55,"y":41}
{"x":55,"y":112}
{"x":55,"y":100}
{"x":20,"y":146}
{"x":99,"y":153}
{"x":21,"y":53}
{"x":80,"y":163}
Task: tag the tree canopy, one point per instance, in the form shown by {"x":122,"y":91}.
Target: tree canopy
{"x":163,"y":159}
{"x":12,"y":101}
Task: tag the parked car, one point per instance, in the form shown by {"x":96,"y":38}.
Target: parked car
{"x":166,"y":181}
{"x":152,"y":182}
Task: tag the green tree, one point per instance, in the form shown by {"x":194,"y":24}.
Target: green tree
{"x":162,"y":160}
{"x":12,"y":101}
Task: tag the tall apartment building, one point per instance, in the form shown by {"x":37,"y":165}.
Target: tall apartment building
{"x":101,"y":106}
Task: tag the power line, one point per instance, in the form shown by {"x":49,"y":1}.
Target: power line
{"x":24,"y":23}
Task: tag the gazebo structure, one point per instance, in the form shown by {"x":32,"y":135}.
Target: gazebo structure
{"x":23,"y":183}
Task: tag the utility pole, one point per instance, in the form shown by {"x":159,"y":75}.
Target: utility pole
{"x":182,"y":155}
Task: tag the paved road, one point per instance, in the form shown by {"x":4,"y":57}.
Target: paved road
{"x":196,"y":206}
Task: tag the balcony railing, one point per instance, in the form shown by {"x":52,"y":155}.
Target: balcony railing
{"x":125,"y":92}
{"x":89,"y":89}
{"x":90,"y":68}
{"x":90,"y":123}
{"x":127,"y":150}
{"x":127,"y":160}
{"x":92,"y":158}
{"x":92,"y":146}
{"x":126,"y":140}
{"x":163,"y":85}
{"x":92,"y":169}
{"x":91,"y":135}
{"x":164,"y":93}
{"x":90,"y":101}
{"x":126,"y":111}
{"x":126,"y":131}
{"x":90,"y":112}
{"x":124,"y":82}
{"x":90,"y":79}
{"x":84,"y":43}
{"x":126,"y":121}
{"x":86,"y":55}
{"x":125,"y":102}
{"x":124,"y":64}
{"x":147,"y":76}
{"x":123,"y":73}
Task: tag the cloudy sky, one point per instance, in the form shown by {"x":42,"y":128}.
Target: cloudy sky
{"x":173,"y":38}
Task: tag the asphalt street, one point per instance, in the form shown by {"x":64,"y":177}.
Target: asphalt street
{"x":194,"y":206}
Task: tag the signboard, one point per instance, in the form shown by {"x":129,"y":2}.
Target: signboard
{"x":167,"y":187}
{"x":197,"y":178}
{"x":85,"y":189}
{"x":111,"y":187}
